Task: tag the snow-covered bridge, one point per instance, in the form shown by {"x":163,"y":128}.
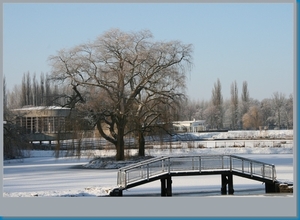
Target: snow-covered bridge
{"x":163,"y":168}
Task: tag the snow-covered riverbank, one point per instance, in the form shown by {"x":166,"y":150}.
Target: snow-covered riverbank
{"x":43,"y":175}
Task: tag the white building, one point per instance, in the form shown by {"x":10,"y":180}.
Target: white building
{"x":44,"y":122}
{"x":189,"y":126}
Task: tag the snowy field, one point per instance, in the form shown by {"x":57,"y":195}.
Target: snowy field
{"x":42,"y":175}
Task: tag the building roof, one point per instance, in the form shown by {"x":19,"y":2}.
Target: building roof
{"x":189,"y":123}
{"x":32,"y":108}
{"x":43,"y":111}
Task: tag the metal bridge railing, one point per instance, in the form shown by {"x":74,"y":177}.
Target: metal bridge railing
{"x":253,"y":167}
{"x":157,"y":166}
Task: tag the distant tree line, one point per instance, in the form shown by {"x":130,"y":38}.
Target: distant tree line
{"x":34,"y":92}
{"x":238,"y":112}
{"x":242,"y":112}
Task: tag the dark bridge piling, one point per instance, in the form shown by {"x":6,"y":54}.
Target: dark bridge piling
{"x":166,"y":186}
{"x":227,"y":180}
{"x":272,"y":187}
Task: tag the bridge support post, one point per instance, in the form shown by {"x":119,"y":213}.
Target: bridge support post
{"x":224,"y":184}
{"x":271,"y":187}
{"x":166,"y":186}
{"x":227,"y":180}
{"x":116,"y":192}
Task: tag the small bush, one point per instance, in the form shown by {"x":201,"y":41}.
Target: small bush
{"x":201,"y":146}
{"x":190,"y":145}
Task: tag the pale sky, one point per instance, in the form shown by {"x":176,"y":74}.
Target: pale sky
{"x":251,"y":42}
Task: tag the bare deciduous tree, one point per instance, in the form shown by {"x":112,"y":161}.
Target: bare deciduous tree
{"x":191,"y":109}
{"x":234,"y":105}
{"x":267,"y":113}
{"x":252,"y":119}
{"x":119,"y":67}
{"x":32,"y":92}
{"x":15,"y":142}
{"x":28,"y":90}
{"x":245,"y":98}
{"x":154,"y":113}
{"x":24,"y":92}
{"x":289,"y":112}
{"x":217,"y":106}
{"x":278,"y":104}
{"x":4,"y":95}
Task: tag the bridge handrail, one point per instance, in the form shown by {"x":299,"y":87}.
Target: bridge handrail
{"x":247,"y":159}
{"x":124,"y":171}
{"x":263,"y":168}
{"x":158,"y":166}
{"x":131,"y":166}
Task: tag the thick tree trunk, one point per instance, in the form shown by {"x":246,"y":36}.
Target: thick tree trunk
{"x":279,"y":119}
{"x":120,"y":140}
{"x":120,"y":148}
{"x":141,"y":140}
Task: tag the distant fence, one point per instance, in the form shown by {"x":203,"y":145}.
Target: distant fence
{"x":101,"y":144}
{"x":239,"y":143}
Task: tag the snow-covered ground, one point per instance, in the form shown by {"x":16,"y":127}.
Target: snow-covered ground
{"x":43,"y":175}
{"x":251,"y":134}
